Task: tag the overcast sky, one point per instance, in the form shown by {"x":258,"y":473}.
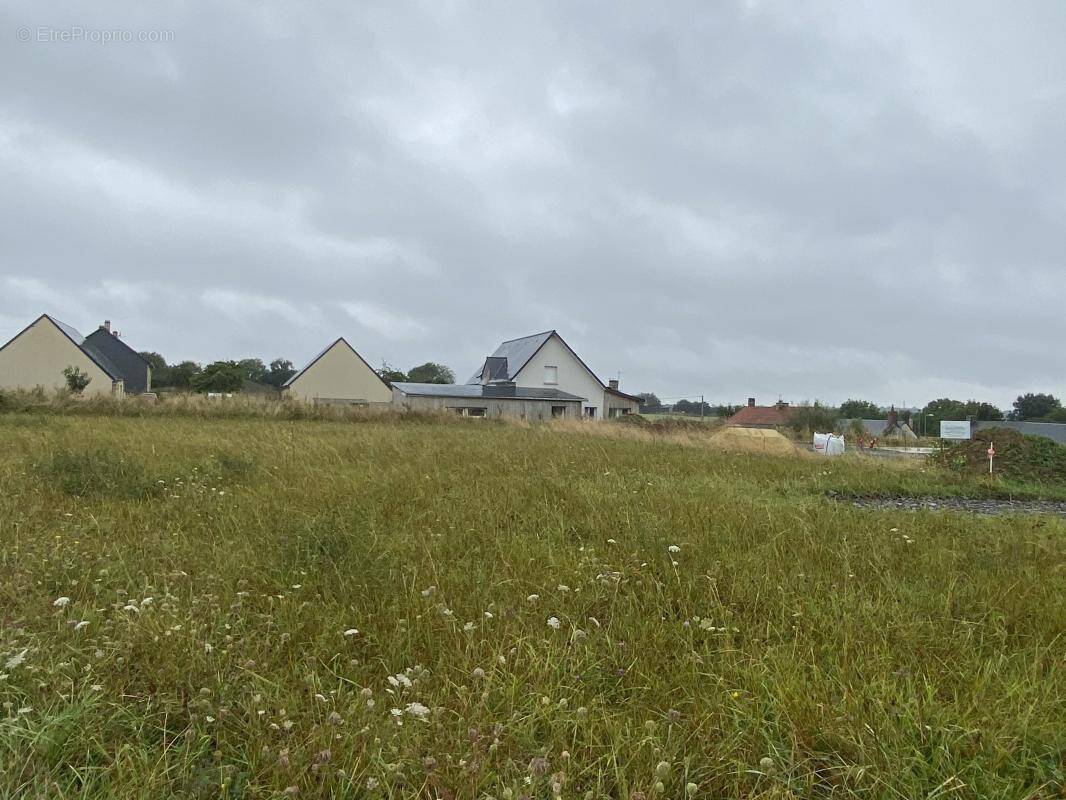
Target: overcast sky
{"x":771,"y":199}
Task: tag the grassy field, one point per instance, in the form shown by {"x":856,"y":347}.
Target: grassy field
{"x":256,"y":608}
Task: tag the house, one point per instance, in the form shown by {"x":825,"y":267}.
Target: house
{"x":494,"y":395}
{"x":752,"y":416}
{"x":136,"y":372}
{"x":544,"y":361}
{"x":37,"y":356}
{"x":338,"y":375}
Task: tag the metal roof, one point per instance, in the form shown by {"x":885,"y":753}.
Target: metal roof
{"x":475,"y":391}
{"x":517,"y":352}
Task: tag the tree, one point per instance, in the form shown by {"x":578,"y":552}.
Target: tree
{"x":691,"y":408}
{"x":390,"y":374}
{"x":219,"y":376}
{"x":181,"y":375}
{"x":281,"y":369}
{"x":938,"y":411}
{"x":813,"y":418}
{"x":861,"y":409}
{"x":725,"y":411}
{"x":982,"y":411}
{"x":649,"y":403}
{"x":160,"y":370}
{"x":1035,"y":406}
{"x":253,"y":369}
{"x":76,"y":379}
{"x":430,"y":373}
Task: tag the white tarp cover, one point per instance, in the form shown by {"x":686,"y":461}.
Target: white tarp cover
{"x":828,"y":444}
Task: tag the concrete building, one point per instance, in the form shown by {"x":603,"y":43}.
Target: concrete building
{"x":499,"y":399}
{"x":37,"y":356}
{"x":545,"y":361}
{"x":338,"y":375}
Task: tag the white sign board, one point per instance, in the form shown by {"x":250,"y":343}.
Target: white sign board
{"x":954,"y":430}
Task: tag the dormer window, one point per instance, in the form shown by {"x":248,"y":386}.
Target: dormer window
{"x":551,"y":376}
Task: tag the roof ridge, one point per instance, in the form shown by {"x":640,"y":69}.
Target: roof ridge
{"x":528,"y":336}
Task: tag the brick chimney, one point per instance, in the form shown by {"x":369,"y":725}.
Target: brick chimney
{"x":751,"y":402}
{"x":107,"y":325}
{"x":613,"y":383}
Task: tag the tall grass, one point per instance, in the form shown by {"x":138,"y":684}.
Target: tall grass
{"x":467,"y":610}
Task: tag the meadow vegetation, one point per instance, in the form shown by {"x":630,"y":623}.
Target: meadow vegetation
{"x":201,"y":606}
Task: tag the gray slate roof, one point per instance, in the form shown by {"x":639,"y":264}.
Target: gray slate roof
{"x":475,"y":391}
{"x":517,"y":352}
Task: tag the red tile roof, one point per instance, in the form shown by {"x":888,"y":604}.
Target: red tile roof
{"x":762,"y":416}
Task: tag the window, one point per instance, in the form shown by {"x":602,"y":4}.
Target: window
{"x":468,"y":412}
{"x":558,"y":411}
{"x":590,"y":412}
{"x":551,"y":375}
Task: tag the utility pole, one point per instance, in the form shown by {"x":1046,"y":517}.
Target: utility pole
{"x":702,"y":404}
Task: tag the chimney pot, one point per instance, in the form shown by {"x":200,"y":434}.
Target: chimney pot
{"x":613,"y":383}
{"x":107,"y":325}
{"x":751,"y":402}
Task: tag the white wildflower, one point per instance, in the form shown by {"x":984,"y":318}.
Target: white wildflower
{"x":16,"y":660}
{"x":61,"y":602}
{"x":351,"y":632}
{"x":674,"y":548}
{"x":533,"y":598}
{"x":81,"y":625}
{"x":553,"y":622}
{"x":562,"y":587}
{"x":417,"y":710}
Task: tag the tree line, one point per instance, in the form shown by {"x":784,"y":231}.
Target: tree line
{"x":245,"y":373}
{"x":1038,"y":407}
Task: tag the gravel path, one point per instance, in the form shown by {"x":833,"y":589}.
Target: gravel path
{"x":970,"y":505}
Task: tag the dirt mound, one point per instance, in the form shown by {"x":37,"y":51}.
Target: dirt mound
{"x":1018,"y":456}
{"x":754,"y":440}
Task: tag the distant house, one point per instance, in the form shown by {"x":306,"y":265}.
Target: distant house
{"x":338,"y":375}
{"x":752,"y":416}
{"x":136,"y":372}
{"x":37,"y":356}
{"x":544,"y":361}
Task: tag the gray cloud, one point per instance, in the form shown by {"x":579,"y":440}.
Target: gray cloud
{"x":751,"y":198}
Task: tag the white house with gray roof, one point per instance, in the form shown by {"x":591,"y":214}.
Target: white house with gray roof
{"x":545,"y":361}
